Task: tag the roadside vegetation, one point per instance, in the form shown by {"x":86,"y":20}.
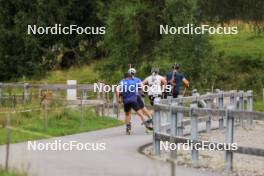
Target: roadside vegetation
{"x":11,"y":173}
{"x":259,"y":105}
{"x":62,"y":121}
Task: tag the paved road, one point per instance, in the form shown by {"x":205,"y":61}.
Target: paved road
{"x":119,"y":159}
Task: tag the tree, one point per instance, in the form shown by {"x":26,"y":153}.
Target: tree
{"x":33,"y":55}
{"x":133,"y":37}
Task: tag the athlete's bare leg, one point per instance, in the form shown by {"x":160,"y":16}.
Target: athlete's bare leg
{"x":140,"y":113}
{"x":147,"y":112}
{"x":127,"y":117}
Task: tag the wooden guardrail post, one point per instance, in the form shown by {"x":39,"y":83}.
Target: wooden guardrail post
{"x":229,"y":140}
{"x":217,"y":98}
{"x":180,"y":126}
{"x":194,"y":133}
{"x":173,"y":132}
{"x":241,"y":108}
{"x":167,"y":115}
{"x":209,"y":118}
{"x":8,"y":121}
{"x":173,"y":127}
{"x":233,"y":99}
{"x":250,"y":106}
{"x":156,"y":124}
{"x":25,"y":93}
{"x":221,"y":106}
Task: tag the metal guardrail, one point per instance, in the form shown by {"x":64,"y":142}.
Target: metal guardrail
{"x":226,"y":116}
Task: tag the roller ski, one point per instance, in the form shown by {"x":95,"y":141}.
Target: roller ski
{"x":128,"y":128}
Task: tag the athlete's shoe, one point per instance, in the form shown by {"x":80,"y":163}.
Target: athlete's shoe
{"x":150,"y":121}
{"x":128,"y":128}
{"x":147,"y":125}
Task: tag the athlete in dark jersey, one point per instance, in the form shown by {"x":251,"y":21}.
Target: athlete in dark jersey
{"x":175,"y":79}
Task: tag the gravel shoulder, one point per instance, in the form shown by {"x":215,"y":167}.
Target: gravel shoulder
{"x":244,"y":165}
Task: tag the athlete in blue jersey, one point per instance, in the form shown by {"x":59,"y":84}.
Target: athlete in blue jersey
{"x":175,"y":79}
{"x":139,"y":93}
{"x":128,"y":89}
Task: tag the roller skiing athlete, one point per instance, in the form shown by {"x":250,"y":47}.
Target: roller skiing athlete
{"x":128,"y":88}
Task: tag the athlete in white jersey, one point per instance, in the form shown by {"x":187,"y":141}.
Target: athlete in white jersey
{"x":156,"y":85}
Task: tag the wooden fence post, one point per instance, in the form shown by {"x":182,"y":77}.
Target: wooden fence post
{"x":7,"y":141}
{"x":194,"y":133}
{"x":209,"y":119}
{"x":55,"y":100}
{"x":263,"y":94}
{"x":180,"y":119}
{"x":82,"y":114}
{"x":45,"y":113}
{"x":229,"y":140}
{"x":14,"y":102}
{"x":1,"y":92}
{"x":250,"y":106}
{"x":221,"y":106}
{"x":98,"y":98}
{"x":115,"y":105}
{"x":107,"y":103}
{"x":156,"y":124}
{"x":103,"y":99}
{"x":241,"y":108}
{"x":25,"y":93}
{"x":84,"y":95}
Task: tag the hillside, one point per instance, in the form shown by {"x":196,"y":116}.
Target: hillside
{"x":239,"y":59}
{"x":246,"y":44}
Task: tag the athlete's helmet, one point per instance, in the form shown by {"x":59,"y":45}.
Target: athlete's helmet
{"x":132,"y":71}
{"x":175,"y":66}
{"x":155,"y":70}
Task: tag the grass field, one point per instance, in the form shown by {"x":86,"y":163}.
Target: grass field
{"x":259,"y":106}
{"x":30,"y":125}
{"x":10,"y":173}
{"x":245,"y":44}
{"x":83,"y":74}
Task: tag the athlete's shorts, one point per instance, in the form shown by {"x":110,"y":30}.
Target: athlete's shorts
{"x":133,"y":105}
{"x":140,"y":102}
{"x":175,"y":94}
{"x":152,"y":98}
